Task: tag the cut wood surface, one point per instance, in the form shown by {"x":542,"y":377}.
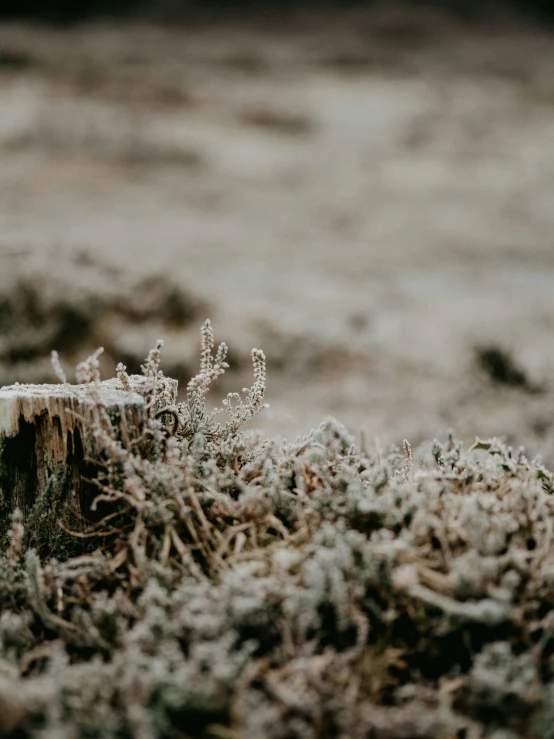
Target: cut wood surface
{"x":46,"y":430}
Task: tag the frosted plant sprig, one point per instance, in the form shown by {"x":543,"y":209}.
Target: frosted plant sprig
{"x":241,"y":410}
{"x":122,"y":376}
{"x":193,"y":416}
{"x":210,"y":368}
{"x":221,"y":355}
{"x":89,"y":370}
{"x":189,"y":419}
{"x":57,"y":367}
{"x":159,"y":393}
{"x":152,"y":363}
{"x":257,"y":391}
{"x":207,"y":346}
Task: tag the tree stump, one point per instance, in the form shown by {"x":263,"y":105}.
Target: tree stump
{"x":45,"y":433}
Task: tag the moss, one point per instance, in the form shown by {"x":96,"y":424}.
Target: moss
{"x":51,"y":518}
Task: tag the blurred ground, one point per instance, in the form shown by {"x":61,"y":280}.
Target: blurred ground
{"x":368,"y":196}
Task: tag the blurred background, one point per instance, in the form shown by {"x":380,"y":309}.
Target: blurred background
{"x":365,"y":190}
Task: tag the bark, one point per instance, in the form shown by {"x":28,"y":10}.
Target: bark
{"x":45,"y":431}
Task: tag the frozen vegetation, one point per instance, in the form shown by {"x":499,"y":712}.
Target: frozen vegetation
{"x":368,"y":197}
{"x":230,"y":586}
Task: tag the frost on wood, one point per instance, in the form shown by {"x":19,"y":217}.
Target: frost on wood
{"x":45,"y":431}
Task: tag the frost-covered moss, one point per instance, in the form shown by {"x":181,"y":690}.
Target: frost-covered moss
{"x":240,"y":587}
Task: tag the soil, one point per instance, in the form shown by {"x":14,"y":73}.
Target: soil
{"x":368,"y":196}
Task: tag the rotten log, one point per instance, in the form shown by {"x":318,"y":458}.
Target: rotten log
{"x":45,"y":431}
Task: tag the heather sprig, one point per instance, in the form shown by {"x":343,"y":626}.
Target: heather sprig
{"x":193,"y":416}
